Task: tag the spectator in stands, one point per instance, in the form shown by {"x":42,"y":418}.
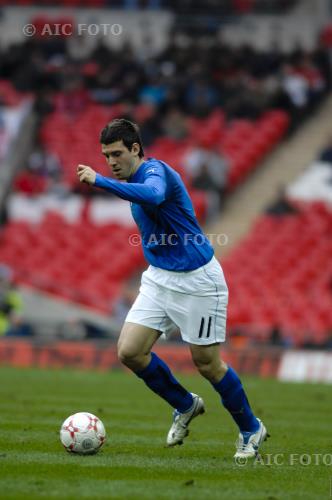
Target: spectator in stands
{"x":10,"y":304}
{"x":154,"y":91}
{"x":30,"y":183}
{"x":175,"y":124}
{"x":3,"y":215}
{"x":148,"y":116}
{"x":74,"y":98}
{"x":328,"y":342}
{"x":80,"y":46}
{"x":44,"y":102}
{"x":201,"y":97}
{"x":295,"y":86}
{"x":205,"y":182}
{"x":4,"y":138}
{"x":207,"y":170}
{"x":252,"y":101}
{"x":308,"y":342}
{"x":314,"y":78}
{"x":104,"y":90}
{"x":277,"y":339}
{"x":326,"y":153}
{"x":27,"y":67}
{"x":44,"y":163}
{"x":81,"y":329}
{"x":322,"y":58}
{"x":73,"y":329}
{"x":43,"y":174}
{"x":123,"y":305}
{"x":282,"y":205}
{"x":325,"y":50}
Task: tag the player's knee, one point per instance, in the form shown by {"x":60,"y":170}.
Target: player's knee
{"x":202,"y":363}
{"x":211,"y":369}
{"x":204,"y":367}
{"x":127,"y":355}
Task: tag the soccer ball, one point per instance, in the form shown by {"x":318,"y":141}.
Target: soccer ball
{"x":82,"y":433}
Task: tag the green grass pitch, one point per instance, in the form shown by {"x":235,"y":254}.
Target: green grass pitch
{"x":134,"y":464}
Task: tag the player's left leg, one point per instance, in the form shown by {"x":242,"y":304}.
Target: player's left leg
{"x":233,"y":397}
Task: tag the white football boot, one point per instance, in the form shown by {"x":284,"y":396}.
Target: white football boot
{"x":248,"y":443}
{"x":179,"y":429}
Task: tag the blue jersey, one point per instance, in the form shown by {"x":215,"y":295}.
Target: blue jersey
{"x":171,"y":236}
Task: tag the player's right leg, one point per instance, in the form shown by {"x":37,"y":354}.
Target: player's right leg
{"x":135,"y":344}
{"x":134,"y":351}
{"x":145,"y":322}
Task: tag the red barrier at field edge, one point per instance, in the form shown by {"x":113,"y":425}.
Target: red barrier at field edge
{"x":263,"y":361}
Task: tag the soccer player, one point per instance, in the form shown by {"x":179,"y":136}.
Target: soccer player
{"x":184,"y":285}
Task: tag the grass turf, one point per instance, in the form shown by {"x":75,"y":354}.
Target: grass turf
{"x":134,"y":464}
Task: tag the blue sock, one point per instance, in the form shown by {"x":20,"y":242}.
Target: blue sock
{"x":159,"y":379}
{"x":235,"y":401}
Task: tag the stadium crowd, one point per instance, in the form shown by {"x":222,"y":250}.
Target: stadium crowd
{"x":67,"y":73}
{"x":163,"y":93}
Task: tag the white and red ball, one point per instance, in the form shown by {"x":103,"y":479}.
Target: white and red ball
{"x":82,"y":433}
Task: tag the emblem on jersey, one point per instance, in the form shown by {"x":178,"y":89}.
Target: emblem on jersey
{"x":151,"y":171}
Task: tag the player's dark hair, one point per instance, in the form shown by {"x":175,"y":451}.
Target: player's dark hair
{"x":122,"y":130}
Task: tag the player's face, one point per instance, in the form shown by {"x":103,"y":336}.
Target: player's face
{"x":121,"y":161}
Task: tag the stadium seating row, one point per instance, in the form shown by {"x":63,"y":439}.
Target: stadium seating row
{"x":86,"y":264}
{"x":281,"y":275}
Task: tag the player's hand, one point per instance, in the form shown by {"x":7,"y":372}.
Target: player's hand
{"x":86,"y":174}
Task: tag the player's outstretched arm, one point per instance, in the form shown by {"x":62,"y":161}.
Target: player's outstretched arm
{"x":86,"y":174}
{"x":152,"y":191}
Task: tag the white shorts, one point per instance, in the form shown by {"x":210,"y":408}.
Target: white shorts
{"x":194,"y":301}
